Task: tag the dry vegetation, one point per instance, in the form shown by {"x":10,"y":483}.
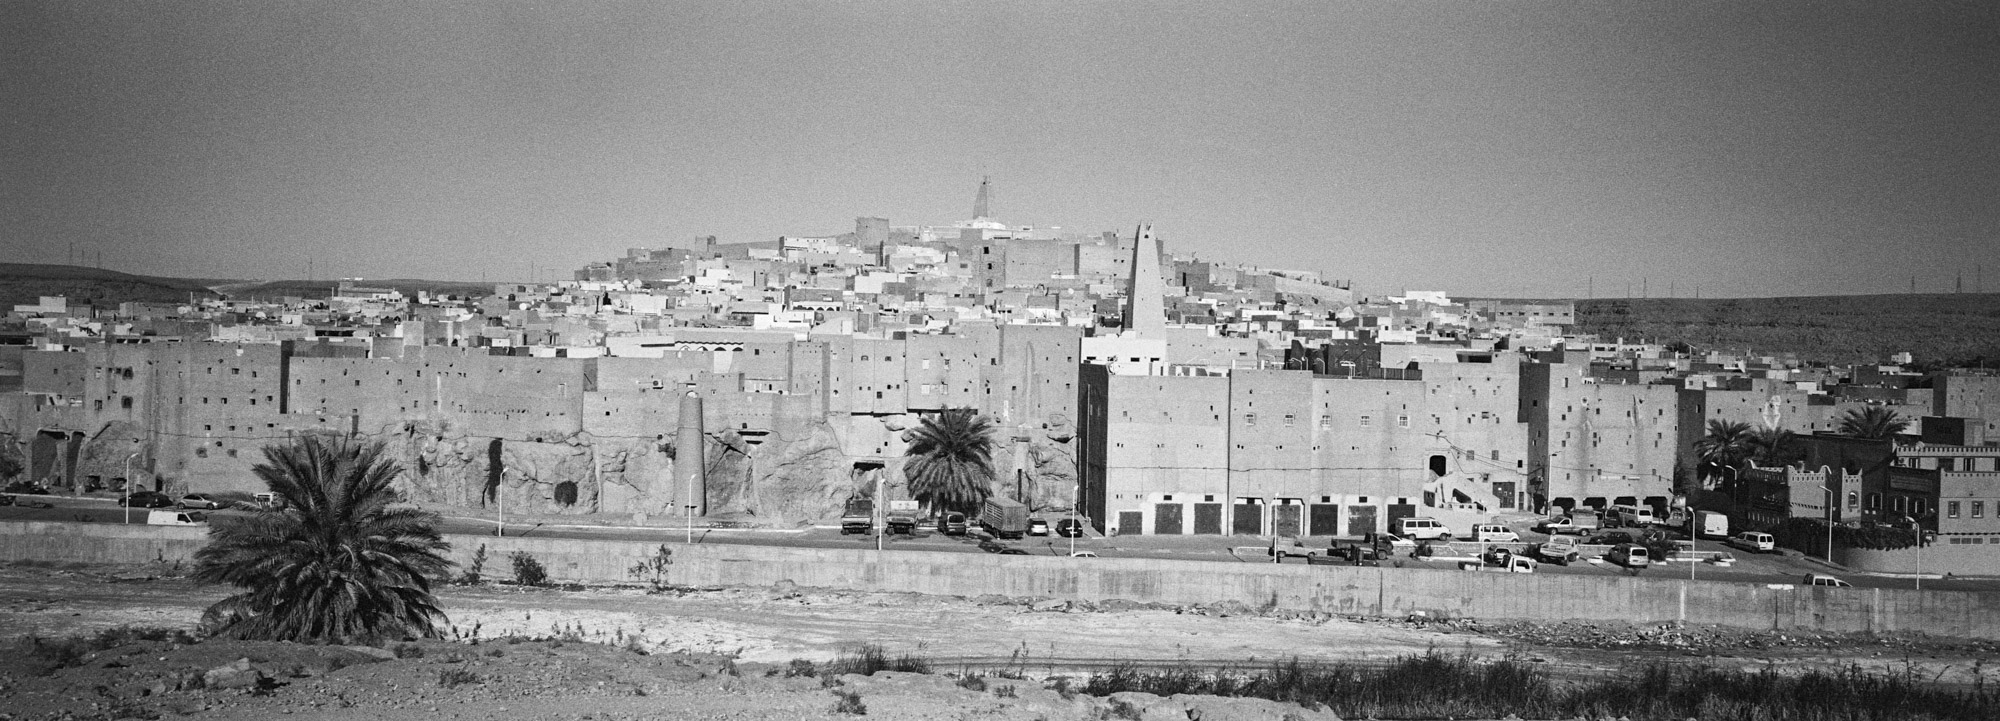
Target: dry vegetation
{"x":1939,"y":329}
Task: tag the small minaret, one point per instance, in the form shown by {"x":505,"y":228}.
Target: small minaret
{"x":690,"y":458}
{"x":982,"y":206}
{"x":1145,"y":295}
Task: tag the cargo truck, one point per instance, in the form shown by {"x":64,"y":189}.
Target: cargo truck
{"x":1004,"y":517}
{"x":902,"y":517}
{"x":859,"y":516}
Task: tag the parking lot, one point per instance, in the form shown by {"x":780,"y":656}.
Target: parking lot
{"x":1748,"y":567}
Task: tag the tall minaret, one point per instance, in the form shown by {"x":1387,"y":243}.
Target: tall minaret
{"x":982,"y":207}
{"x":1145,"y":301}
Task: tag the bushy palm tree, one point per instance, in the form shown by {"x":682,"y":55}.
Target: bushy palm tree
{"x":1872,"y":422}
{"x":1727,"y":445}
{"x":1772,"y":447}
{"x":336,"y":564}
{"x":950,"y":460}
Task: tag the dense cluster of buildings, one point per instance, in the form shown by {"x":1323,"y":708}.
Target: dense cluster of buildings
{"x":1157,"y":394}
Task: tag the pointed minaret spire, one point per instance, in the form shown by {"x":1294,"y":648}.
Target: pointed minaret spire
{"x":1145,"y":296}
{"x":982,"y":207}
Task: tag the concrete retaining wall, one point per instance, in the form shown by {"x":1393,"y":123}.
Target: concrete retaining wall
{"x":1334,"y":589}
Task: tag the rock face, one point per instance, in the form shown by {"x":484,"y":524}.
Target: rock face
{"x":553,"y":474}
{"x":790,"y":478}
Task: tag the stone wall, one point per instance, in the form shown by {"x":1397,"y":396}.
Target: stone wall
{"x":1393,"y":592}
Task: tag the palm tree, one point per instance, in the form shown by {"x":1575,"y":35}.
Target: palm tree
{"x":950,"y":460}
{"x":1727,"y":445}
{"x":1772,"y":447}
{"x":336,"y":564}
{"x":1872,"y":422}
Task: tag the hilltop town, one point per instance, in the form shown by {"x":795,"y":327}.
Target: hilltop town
{"x":1151,"y":393}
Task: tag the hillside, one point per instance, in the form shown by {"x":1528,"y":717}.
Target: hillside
{"x":274,"y":289}
{"x":1955,"y":329}
{"x":26,"y":283}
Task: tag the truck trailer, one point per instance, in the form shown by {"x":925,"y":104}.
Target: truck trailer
{"x":1004,"y":517}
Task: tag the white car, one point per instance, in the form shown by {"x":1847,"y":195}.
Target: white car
{"x":1821,"y":579}
{"x":1754,"y":542}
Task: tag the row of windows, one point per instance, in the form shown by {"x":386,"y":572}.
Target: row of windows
{"x":1951,"y":509}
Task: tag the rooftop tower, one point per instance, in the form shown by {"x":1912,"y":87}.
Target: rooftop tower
{"x":1145,"y":295}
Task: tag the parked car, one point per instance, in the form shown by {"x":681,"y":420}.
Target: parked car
{"x":951,"y":524}
{"x":1494,"y":533}
{"x":1821,"y":579}
{"x":1069,"y":528}
{"x":1630,"y":555}
{"x":1559,"y":550}
{"x":1011,"y":552}
{"x":201,"y":501}
{"x":1612,"y":538}
{"x":1038,"y":527}
{"x":1420,"y":528}
{"x":25,"y":488}
{"x":1083,"y":554}
{"x":146,"y":499}
{"x":1754,"y":542}
{"x":9,"y":499}
{"x":1287,"y":546}
{"x":176,"y":518}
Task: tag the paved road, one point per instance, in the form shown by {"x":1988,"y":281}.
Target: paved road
{"x":1749,"y":568}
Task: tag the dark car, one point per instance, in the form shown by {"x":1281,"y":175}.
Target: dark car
{"x":24,"y":487}
{"x":1613,"y":538}
{"x":146,"y":499}
{"x":1069,"y":528}
{"x":952,"y":524}
{"x":1012,"y":552}
{"x":202,"y":501}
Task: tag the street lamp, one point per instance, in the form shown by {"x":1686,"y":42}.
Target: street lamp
{"x":1075,"y":492}
{"x":128,"y":486}
{"x":1829,"y":523}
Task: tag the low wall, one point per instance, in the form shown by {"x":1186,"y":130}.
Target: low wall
{"x":1381,"y":591}
{"x":1934,"y":559}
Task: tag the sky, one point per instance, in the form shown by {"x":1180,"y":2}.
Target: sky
{"x":1513,"y":149}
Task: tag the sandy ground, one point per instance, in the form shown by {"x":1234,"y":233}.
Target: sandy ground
{"x":692,"y":639}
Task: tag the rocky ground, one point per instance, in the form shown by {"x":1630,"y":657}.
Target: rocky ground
{"x":607,"y":653}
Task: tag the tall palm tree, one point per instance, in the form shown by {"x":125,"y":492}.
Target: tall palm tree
{"x":1772,"y":447}
{"x":1872,"y":422}
{"x":336,"y":564}
{"x":1727,"y":445}
{"x":950,"y":460}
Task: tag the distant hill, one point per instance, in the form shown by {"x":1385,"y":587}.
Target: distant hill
{"x":274,"y":289}
{"x":1939,"y":329}
{"x":26,"y":283}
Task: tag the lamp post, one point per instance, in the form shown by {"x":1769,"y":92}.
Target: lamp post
{"x":1074,"y":492}
{"x":128,"y":486}
{"x":1829,"y":523}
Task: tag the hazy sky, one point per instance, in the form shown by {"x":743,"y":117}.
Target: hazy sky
{"x":1491,"y":148}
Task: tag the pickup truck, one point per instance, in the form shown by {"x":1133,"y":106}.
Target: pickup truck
{"x":1500,"y":560}
{"x":1286,"y":546}
{"x":1559,"y":550}
{"x":1569,"y":525}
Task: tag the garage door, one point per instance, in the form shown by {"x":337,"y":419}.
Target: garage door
{"x":1167,"y":519}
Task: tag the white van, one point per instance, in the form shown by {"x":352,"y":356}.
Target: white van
{"x":1420,"y":528}
{"x":1494,"y":533}
{"x":176,"y":518}
{"x":1633,"y":516}
{"x":1754,"y":542}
